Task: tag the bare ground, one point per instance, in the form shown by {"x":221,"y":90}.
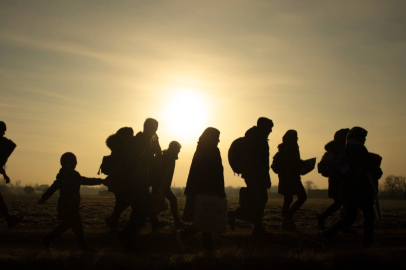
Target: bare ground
{"x":20,"y":247}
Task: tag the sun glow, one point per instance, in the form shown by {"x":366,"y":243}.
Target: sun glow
{"x":186,"y":115}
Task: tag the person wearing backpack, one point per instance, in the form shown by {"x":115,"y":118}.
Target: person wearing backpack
{"x":6,"y":149}
{"x":287,"y":164}
{"x":255,"y":172}
{"x":361,"y":172}
{"x":141,"y":152}
{"x":114,"y":168}
{"x":334,"y":150}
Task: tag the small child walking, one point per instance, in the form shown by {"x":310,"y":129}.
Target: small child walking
{"x":68,"y":181}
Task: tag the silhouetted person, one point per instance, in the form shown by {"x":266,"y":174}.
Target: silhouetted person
{"x":163,"y":179}
{"x":334,"y":151}
{"x":6,"y":148}
{"x":256,"y":176}
{"x":205,"y":177}
{"x":142,"y":151}
{"x":68,"y":181}
{"x":357,"y":185}
{"x":117,"y":144}
{"x":290,"y":182}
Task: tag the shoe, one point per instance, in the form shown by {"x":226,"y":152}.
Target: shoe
{"x":109,"y":222}
{"x":320,"y":222}
{"x":179,"y":242}
{"x":325,"y":235}
{"x":86,"y":248}
{"x":180,"y":225}
{"x":231,"y":220}
{"x":159,"y":225}
{"x":124,"y":240}
{"x":288,"y":224}
{"x":260,"y":233}
{"x":13,"y":221}
{"x":46,"y":244}
{"x":349,"y":231}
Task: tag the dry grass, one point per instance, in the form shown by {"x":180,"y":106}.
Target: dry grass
{"x":21,"y":248}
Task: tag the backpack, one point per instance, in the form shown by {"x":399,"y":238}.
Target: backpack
{"x":277,"y":163}
{"x":106,"y":166}
{"x":339,"y":170}
{"x":237,"y":155}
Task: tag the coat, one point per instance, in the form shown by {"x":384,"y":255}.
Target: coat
{"x":362,"y":169}
{"x":205,"y":176}
{"x":68,"y":181}
{"x":289,"y":178}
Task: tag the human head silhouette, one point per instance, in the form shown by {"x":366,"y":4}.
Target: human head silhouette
{"x":290,"y":136}
{"x":341,"y":135}
{"x":125,"y":133}
{"x":68,"y":160}
{"x":3,"y":129}
{"x":358,"y":133}
{"x":150,"y":127}
{"x":210,"y":136}
{"x":265,"y":125}
{"x":174,"y":148}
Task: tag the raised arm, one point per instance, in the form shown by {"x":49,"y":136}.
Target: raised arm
{"x":91,"y":181}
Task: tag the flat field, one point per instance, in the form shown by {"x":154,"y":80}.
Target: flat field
{"x":20,"y":247}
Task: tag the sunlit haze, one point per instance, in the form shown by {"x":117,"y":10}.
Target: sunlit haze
{"x":185,"y":114}
{"x":74,"y":72}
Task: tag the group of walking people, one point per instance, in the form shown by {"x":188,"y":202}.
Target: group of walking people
{"x":140,"y":175}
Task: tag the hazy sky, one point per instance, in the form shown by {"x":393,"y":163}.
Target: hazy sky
{"x":74,"y":72}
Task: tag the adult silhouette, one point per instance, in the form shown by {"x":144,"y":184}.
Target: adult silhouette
{"x":141,"y":152}
{"x":118,"y":143}
{"x":287,"y":164}
{"x":358,"y":186}
{"x":162,"y":176}
{"x":6,"y":148}
{"x":334,"y":152}
{"x":256,"y":176}
{"x":205,"y":177}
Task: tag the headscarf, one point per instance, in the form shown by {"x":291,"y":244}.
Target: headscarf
{"x":209,"y":136}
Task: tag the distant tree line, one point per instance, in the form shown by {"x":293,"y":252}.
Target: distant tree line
{"x":394,"y":187}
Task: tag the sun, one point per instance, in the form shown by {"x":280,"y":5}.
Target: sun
{"x":186,"y":115}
